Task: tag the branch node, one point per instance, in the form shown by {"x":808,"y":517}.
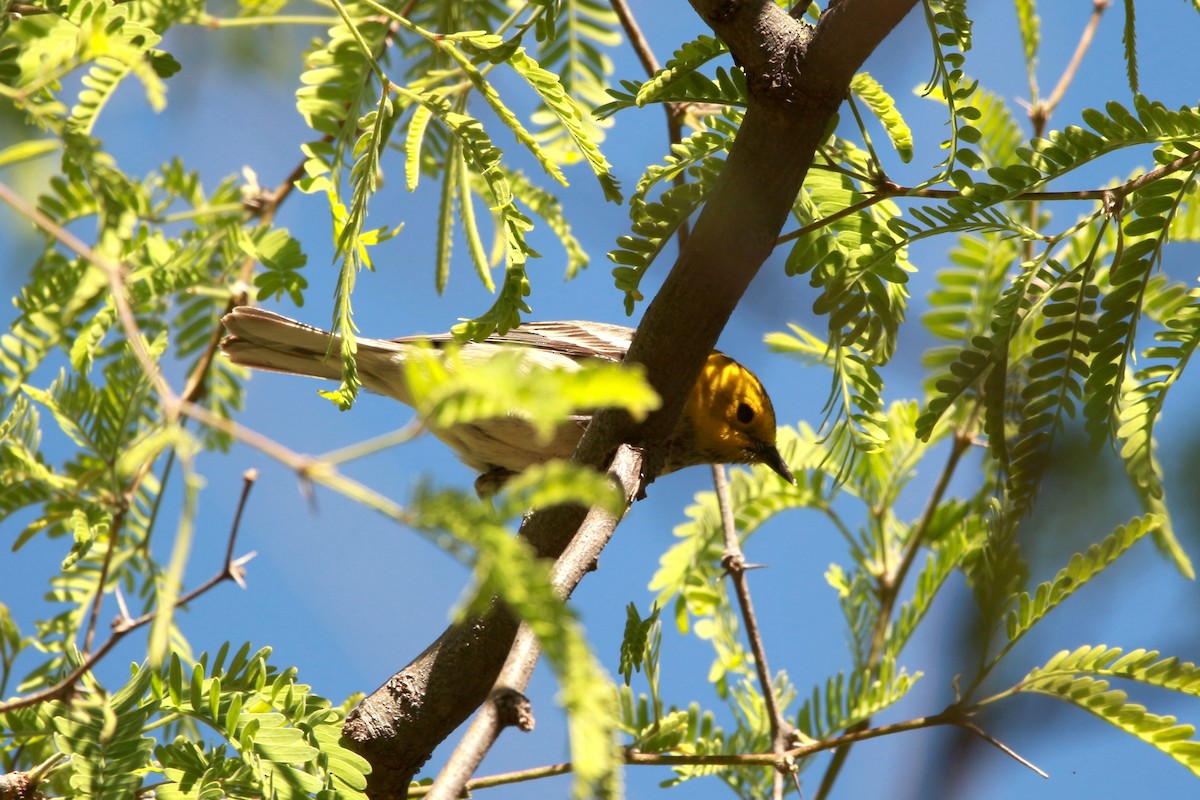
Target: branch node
{"x":513,"y":709}
{"x":786,"y":765}
{"x":1112,"y":203}
{"x":733,"y":562}
{"x":17,"y":786}
{"x":236,"y":571}
{"x":724,"y":12}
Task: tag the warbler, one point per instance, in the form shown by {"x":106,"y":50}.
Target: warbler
{"x":727,"y":419}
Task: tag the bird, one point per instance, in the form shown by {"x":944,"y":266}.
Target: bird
{"x":727,"y":418}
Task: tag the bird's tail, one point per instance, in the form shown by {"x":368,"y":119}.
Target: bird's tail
{"x":263,"y":340}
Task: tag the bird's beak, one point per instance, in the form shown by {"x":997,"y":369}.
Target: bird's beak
{"x":769,"y":455}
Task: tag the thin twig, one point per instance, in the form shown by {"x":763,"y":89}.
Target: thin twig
{"x":576,"y":559}
{"x":307,"y":468}
{"x":886,"y":190}
{"x":637,"y":39}
{"x":487,"y":726}
{"x":116,"y":279}
{"x":953,"y":716}
{"x":1039,"y":115}
{"x":238,"y":576}
{"x":674,"y":112}
{"x":878,"y":196}
{"x":1001,"y":746}
{"x":114,"y":530}
{"x":889,"y":588}
{"x":264,"y":205}
{"x":27,"y":10}
{"x":734,"y":562}
{"x":891,"y":582}
{"x":503,"y":778}
{"x":233,"y":569}
{"x":375,"y":444}
{"x":115,"y":273}
{"x":1041,"y":110}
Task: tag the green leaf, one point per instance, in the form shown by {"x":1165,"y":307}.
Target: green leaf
{"x":282,"y":260}
{"x":1029,"y":24}
{"x":884,"y":108}
{"x":105,"y":738}
{"x":1163,"y":733}
{"x":637,"y":640}
{"x":506,"y":567}
{"x":845,"y":701}
{"x":855,"y":421}
{"x":448,"y":390}
{"x":1030,"y":609}
{"x":699,"y":156}
{"x":27,"y":150}
{"x":571,"y":117}
{"x":559,"y":482}
{"x":1129,"y":39}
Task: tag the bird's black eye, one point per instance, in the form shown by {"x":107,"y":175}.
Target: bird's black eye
{"x":745,"y":414}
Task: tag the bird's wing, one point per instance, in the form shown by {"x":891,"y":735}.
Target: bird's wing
{"x":572,"y":338}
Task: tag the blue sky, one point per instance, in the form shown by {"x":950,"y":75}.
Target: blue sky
{"x":349,"y":597}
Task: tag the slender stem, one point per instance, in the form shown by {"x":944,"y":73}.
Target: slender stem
{"x":116,"y":279}
{"x":27,"y":10}
{"x":115,"y":273}
{"x":674,"y":112}
{"x":833,"y":770}
{"x":886,"y":190}
{"x":951,"y":716}
{"x":734,"y":562}
{"x":306,"y":467}
{"x":502,"y":779}
{"x":374,"y":444}
{"x":878,"y":197}
{"x":488,"y":724}
{"x":209,"y":21}
{"x":889,"y":588}
{"x":577,"y":557}
{"x":163,"y":482}
{"x":1041,"y":112}
{"x":114,"y":530}
{"x":248,"y":479}
{"x":233,"y":569}
{"x":891,"y":582}
{"x":1001,"y":746}
{"x":637,"y":39}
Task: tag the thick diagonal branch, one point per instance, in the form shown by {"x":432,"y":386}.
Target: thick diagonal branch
{"x":797,"y":77}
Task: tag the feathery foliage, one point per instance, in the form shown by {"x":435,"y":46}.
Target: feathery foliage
{"x":1059,"y":311}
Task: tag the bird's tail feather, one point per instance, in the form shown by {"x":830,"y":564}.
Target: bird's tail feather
{"x":263,"y":340}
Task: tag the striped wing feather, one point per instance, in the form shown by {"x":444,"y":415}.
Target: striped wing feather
{"x":264,"y":340}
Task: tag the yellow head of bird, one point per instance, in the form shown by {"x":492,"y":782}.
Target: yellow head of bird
{"x":733,"y":417}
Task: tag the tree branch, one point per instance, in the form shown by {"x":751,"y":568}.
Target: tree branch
{"x":1041,"y":112}
{"x":734,"y":561}
{"x":952,"y":716}
{"x":451,"y":782}
{"x":797,"y":76}
{"x":674,"y":111}
{"x":889,"y":587}
{"x":234,"y":570}
{"x":886,"y":190}
{"x":399,"y":724}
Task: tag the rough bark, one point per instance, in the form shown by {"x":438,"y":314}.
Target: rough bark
{"x":798,"y":76}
